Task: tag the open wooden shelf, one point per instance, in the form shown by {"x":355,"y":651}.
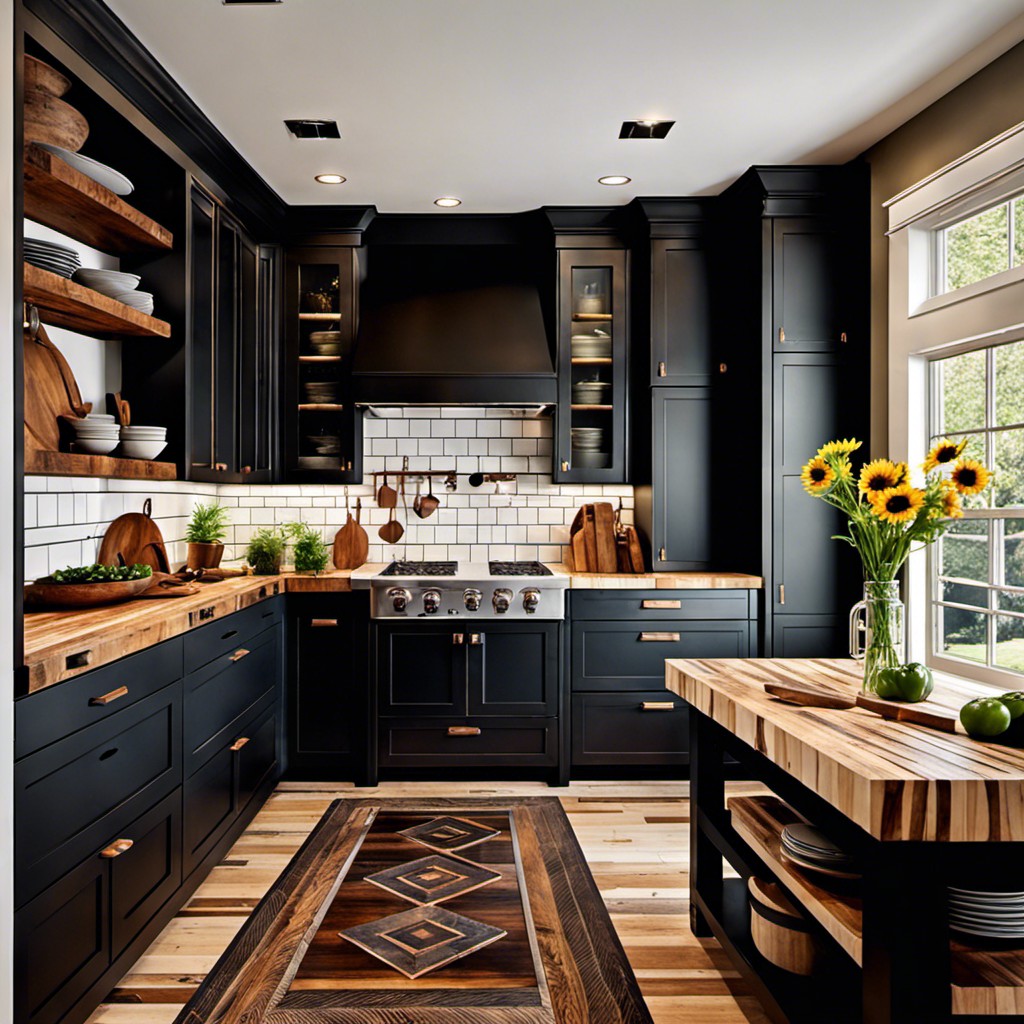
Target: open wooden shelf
{"x":983,"y":981}
{"x":595,"y":361}
{"x":319,"y":316}
{"x":320,"y":359}
{"x":63,"y":198}
{"x":583,"y":317}
{"x":43,"y":463}
{"x":320,"y":407}
{"x":63,"y":303}
{"x":591,"y":408}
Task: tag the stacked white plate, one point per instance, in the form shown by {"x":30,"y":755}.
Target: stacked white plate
{"x":118,"y":285}
{"x":587,"y":439}
{"x":51,"y":256}
{"x":808,"y":847}
{"x":96,"y":434}
{"x":325,"y":343}
{"x":321,"y":392}
{"x":590,"y":392}
{"x":142,"y":301}
{"x":106,"y":176}
{"x":597,"y":345}
{"x":143,"y":442}
{"x":992,"y":915}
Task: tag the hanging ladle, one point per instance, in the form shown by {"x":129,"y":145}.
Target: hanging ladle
{"x":425,"y":505}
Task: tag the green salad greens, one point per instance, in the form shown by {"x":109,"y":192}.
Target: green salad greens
{"x":101,"y":574}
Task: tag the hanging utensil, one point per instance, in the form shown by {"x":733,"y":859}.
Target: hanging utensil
{"x":428,"y":503}
{"x":351,"y":544}
{"x":387,"y":497}
{"x":391,"y":532}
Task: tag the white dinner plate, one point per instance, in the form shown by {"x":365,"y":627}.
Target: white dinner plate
{"x":106,"y":176}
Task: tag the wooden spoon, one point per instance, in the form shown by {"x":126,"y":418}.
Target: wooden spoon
{"x":387,"y":497}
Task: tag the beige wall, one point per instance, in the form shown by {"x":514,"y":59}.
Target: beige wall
{"x":982,"y":107}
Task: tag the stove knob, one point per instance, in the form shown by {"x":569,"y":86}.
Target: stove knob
{"x":400,"y":598}
{"x":431,"y":601}
{"x":472,"y":598}
{"x":501,"y":600}
{"x":531,"y":598}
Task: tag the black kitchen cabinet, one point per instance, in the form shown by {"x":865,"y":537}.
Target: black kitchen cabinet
{"x":322,"y":427}
{"x":635,"y":728}
{"x":232,"y":347}
{"x":328,"y":685}
{"x":681,"y":354}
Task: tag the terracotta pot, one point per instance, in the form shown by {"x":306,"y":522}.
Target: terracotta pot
{"x":204,"y":556}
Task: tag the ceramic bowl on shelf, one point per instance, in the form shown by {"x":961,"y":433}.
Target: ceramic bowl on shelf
{"x":95,"y":445}
{"x":111,"y":283}
{"x":142,"y":449}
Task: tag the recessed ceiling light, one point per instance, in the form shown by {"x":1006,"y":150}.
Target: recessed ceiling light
{"x":313,"y":128}
{"x":447,"y":201}
{"x":648,"y":128}
{"x":331,"y":179}
{"x":614,"y":179}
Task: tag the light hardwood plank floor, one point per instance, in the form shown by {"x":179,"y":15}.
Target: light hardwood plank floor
{"x":635,"y":837}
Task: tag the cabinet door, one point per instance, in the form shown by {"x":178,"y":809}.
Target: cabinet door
{"x":681,"y":486}
{"x":513,"y":669}
{"x":592,"y":359}
{"x":210,"y":806}
{"x":648,"y":727}
{"x":422,"y":669}
{"x":258,"y":757}
{"x":680,"y":314}
{"x":201,"y":331}
{"x":806,"y":286}
{"x":254,"y":400}
{"x":810,"y":636}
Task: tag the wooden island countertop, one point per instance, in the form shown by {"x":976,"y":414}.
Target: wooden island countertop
{"x":896,"y":781}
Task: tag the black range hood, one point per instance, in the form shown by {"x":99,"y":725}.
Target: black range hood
{"x":452,"y":325}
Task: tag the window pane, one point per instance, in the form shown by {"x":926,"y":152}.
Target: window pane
{"x":1010,"y":383}
{"x":961,"y":390}
{"x":1008,"y":485}
{"x":963,"y":634}
{"x":1010,"y":643}
{"x":1018,"y":231}
{"x":963,"y":552}
{"x":977,"y":248}
{"x":1013,"y":553}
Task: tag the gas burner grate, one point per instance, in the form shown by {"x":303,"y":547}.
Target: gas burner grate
{"x":519,"y":569}
{"x":420,"y":569}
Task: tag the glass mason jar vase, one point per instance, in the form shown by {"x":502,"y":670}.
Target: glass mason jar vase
{"x":879,"y":618}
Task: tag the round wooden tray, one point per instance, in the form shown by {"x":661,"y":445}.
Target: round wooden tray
{"x":83,"y":595}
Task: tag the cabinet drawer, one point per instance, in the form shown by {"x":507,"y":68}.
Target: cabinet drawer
{"x":227,"y":635}
{"x":218,"y":693}
{"x":51,"y":714}
{"x":643,"y":728}
{"x":479,"y":742}
{"x":62,"y":944}
{"x":662,"y":604}
{"x":70,"y":796}
{"x":631,"y":655}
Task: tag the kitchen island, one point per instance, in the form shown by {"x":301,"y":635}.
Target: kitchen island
{"x":916,"y":807}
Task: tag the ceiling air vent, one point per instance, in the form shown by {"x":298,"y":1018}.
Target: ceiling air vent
{"x":645,"y":129}
{"x":310,"y":128}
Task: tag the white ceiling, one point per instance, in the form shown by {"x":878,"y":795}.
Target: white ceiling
{"x":515,"y":104}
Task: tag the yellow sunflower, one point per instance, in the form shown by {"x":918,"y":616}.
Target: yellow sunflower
{"x":817,"y":476}
{"x":897,"y":505}
{"x":943,"y":451}
{"x":970,"y":477}
{"x":840,"y":447}
{"x":881,"y":475}
{"x":951,"y":505}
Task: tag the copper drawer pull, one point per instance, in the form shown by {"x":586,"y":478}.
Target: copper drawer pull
{"x":657,"y":705}
{"x":116,"y":848}
{"x":463,"y":730}
{"x":322,"y":623}
{"x":649,"y":638}
{"x":239,"y":654}
{"x":476,"y":639}
{"x":238,"y":744}
{"x":108,"y":698}
{"x":660,"y":603}
{"x":458,"y":638}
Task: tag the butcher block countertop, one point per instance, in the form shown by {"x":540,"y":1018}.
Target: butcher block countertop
{"x":897,"y":781}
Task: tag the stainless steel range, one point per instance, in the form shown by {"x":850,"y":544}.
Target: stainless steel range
{"x":471,"y":590}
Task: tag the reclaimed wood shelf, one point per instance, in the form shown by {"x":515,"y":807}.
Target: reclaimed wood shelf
{"x":64,"y":303}
{"x":591,"y":408}
{"x":595,"y":361}
{"x":582,"y":317}
{"x":63,"y":198}
{"x":319,"y":316}
{"x":320,"y":407}
{"x":320,"y":359}
{"x":983,"y":981}
{"x":46,"y":463}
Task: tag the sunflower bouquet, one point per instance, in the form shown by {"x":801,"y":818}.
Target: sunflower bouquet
{"x":887,"y":514}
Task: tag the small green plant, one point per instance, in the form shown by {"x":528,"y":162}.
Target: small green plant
{"x":311,"y":554}
{"x":266,"y":549}
{"x":101,"y":574}
{"x":208,"y":525}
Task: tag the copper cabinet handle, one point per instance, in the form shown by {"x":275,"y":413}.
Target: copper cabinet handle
{"x":116,"y":848}
{"x":648,"y":638}
{"x":657,"y":705}
{"x":476,"y":639}
{"x":220,"y":466}
{"x":661,"y":555}
{"x":565,"y":465}
{"x":108,"y":698}
{"x":239,"y":654}
{"x":463,"y":730}
{"x":782,"y":336}
{"x":458,"y":639}
{"x":723,"y":368}
{"x":782,"y":593}
{"x":322,"y":623}
{"x":238,"y":744}
{"x":660,"y":603}
{"x":662,"y":370}
{"x":842,"y":337}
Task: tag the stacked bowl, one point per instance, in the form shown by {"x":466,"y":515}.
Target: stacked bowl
{"x":326,"y":343}
{"x":808,"y":847}
{"x":987,"y":914}
{"x":143,"y":442}
{"x":117,"y":285}
{"x":96,"y":434}
{"x":321,"y":392}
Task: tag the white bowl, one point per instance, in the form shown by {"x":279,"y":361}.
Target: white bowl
{"x":96,"y":445}
{"x":99,"y":417}
{"x":142,"y":449}
{"x":107,"y":282}
{"x":141,"y":431}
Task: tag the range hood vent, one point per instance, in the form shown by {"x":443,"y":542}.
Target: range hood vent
{"x":452,"y":325}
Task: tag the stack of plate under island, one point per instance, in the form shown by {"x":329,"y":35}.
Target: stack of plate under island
{"x":117,"y":285}
{"x":808,"y":847}
{"x":52,"y":256}
{"x":991,"y":915}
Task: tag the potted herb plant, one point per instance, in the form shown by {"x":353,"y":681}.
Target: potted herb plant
{"x":205,"y":536}
{"x":310,"y":553}
{"x":265,"y":550}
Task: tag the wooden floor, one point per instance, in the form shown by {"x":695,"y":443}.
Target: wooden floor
{"x":635,"y":838}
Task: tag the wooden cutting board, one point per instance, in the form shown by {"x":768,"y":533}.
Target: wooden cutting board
{"x":636,"y":552}
{"x":50,"y":392}
{"x":136,"y":539}
{"x":590,"y":538}
{"x":604,"y":537}
{"x":351,"y":545}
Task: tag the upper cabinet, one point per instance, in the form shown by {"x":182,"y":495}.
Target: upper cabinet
{"x":680,"y":311}
{"x":593,"y":353}
{"x":323,"y":430}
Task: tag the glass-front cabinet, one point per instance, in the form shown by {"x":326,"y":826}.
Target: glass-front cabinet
{"x":323,"y":433}
{"x":592,"y":356}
